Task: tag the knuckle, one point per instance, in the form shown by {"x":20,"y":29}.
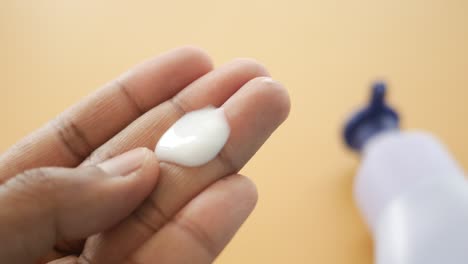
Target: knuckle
{"x":198,"y":234}
{"x":131,"y":100}
{"x":32,"y":185}
{"x":35,"y":177}
{"x":151,"y":216}
{"x":226,"y":160}
{"x":72,"y":137}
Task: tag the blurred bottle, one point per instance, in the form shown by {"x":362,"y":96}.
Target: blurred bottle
{"x":411,"y":192}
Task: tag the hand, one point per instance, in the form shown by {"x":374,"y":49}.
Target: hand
{"x":85,"y":188}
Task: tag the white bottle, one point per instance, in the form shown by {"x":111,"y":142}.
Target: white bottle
{"x":411,"y":192}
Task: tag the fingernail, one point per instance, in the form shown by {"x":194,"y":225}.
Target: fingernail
{"x":268,"y":80}
{"x":124,"y":164}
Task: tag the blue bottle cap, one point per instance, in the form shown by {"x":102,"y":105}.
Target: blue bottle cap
{"x":377,"y":117}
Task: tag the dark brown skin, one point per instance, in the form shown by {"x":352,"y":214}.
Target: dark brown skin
{"x":64,"y":199}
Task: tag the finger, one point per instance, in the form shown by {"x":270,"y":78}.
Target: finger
{"x":65,"y":260}
{"x":44,"y":205}
{"x":212,"y":89}
{"x":204,"y":227}
{"x":139,"y":78}
{"x":253,"y":113}
{"x":71,"y":137}
{"x":50,"y":257}
{"x":215,"y":88}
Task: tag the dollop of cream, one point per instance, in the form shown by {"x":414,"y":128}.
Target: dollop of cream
{"x":195,"y":139}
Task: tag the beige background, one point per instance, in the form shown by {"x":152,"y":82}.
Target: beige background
{"x":326,"y":53}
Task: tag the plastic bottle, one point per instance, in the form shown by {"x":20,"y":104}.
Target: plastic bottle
{"x":409,"y":189}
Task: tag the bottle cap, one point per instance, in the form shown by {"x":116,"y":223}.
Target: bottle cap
{"x":374,"y":119}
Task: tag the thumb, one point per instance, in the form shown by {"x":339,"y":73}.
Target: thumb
{"x":42,"y":206}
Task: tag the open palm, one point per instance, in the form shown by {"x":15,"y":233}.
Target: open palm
{"x":164,"y":214}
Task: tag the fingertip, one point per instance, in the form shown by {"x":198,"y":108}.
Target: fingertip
{"x":140,"y":181}
{"x":149,"y":169}
{"x":282,"y":98}
{"x":243,"y":187}
{"x":251,"y":191}
{"x":251,"y":66}
{"x":276,"y":93}
{"x":149,"y":155}
{"x":196,"y":54}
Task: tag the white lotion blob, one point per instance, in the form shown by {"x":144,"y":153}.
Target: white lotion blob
{"x":195,"y":139}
